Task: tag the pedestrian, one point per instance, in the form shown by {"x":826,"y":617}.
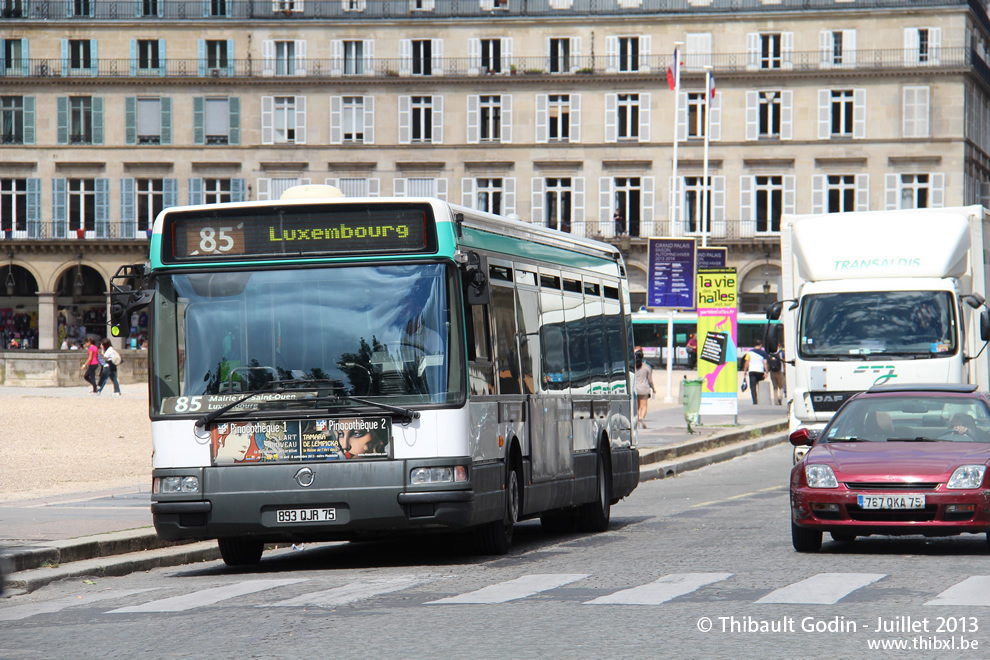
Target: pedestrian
{"x":620,"y":223}
{"x":113,"y":360}
{"x":91,"y":362}
{"x":775,"y":367}
{"x":754,"y":365}
{"x":692,"y":351}
{"x":644,"y":387}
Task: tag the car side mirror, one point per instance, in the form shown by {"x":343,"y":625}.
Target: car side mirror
{"x":803,"y":437}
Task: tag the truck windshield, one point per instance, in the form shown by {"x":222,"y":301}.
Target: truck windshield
{"x":910,"y":324}
{"x":365,"y":331}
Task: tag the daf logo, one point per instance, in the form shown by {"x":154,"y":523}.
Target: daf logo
{"x":828,"y":398}
{"x":305,"y":477}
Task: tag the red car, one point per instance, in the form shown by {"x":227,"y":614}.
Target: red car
{"x":895,"y":460}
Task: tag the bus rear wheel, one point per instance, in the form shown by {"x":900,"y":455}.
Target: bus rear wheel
{"x":495,"y":537}
{"x":240,"y":552}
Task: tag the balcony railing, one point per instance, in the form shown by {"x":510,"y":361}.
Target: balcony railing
{"x":49,"y":231}
{"x":339,"y":10}
{"x":805,"y":61}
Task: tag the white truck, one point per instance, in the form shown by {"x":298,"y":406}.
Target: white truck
{"x":880,"y":297}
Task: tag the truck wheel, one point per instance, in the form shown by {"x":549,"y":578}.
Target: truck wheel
{"x":240,"y":552}
{"x":806,"y":540}
{"x":594,"y":516}
{"x":495,"y":537}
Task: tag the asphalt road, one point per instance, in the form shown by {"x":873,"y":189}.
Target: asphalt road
{"x":697,"y":566}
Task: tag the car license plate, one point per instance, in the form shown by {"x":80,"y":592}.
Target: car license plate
{"x":290,"y":516}
{"x":891,"y":501}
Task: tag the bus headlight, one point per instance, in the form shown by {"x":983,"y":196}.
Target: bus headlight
{"x":176,"y":485}
{"x":437,"y":475}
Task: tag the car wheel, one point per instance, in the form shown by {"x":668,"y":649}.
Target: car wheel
{"x":842,"y":538}
{"x":240,"y":552}
{"x":806,"y":540}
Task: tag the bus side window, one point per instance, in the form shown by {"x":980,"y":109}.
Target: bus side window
{"x":480,"y":372}
{"x":506,"y":356}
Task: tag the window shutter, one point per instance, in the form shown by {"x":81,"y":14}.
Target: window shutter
{"x":230,"y":56}
{"x":922,"y":112}
{"x":849,"y":48}
{"x":753,"y":51}
{"x":826,"y":42}
{"x":201,"y":58}
{"x":133,"y":60}
{"x":268,"y":120}
{"x":472,"y":118}
{"x":747,"y":216}
{"x":506,"y":137}
{"x":611,"y":117}
{"x":542,"y":104}
{"x":611,"y":54}
{"x":575,"y":111}
{"x":130,"y":120}
{"x":818,"y":193}
{"x":718,"y":206}
{"x":441,"y":186}
{"x":65,"y":54}
{"x":790,"y":193}
{"x":369,"y":119}
{"x":166,"y":117}
{"x":102,"y":199}
{"x":934,"y":45}
{"x":605,"y":226}
{"x":300,"y":102}
{"x":300,"y":57}
{"x":644,"y":117}
{"x":127,"y":208}
{"x":199,"y":120}
{"x":911,"y":46}
{"x":938,"y":190}
{"x":577,"y":208}
{"x":859,"y":113}
{"x":509,"y":195}
{"x":752,"y":115}
{"x":28,"y":119}
{"x":716,"y":117}
{"x":97,"y":120}
{"x":336,"y":57}
{"x":405,"y":118}
{"x":399,"y":187}
{"x":162,"y":59}
{"x":506,"y":55}
{"x":237,"y":188}
{"x":787,"y":114}
{"x":468,"y":187}
{"x":264,"y":189}
{"x":196,"y":191}
{"x":644,"y":53}
{"x":436,"y":57}
{"x":787,"y":50}
{"x":682,"y":116}
{"x":648,"y":205}
{"x":474,"y":56}
{"x":536,"y":202}
{"x":336,"y":120}
{"x":234,"y":110}
{"x":437,"y":120}
{"x":675,"y":189}
{"x":94,"y":55}
{"x":34,"y":208}
{"x":824,"y":114}
{"x":170,"y":196}
{"x":62,"y":119}
{"x":268,"y":59}
{"x":405,"y":57}
{"x":862,"y":192}
{"x":892,"y":191}
{"x":575,"y":54}
{"x":374,"y":187}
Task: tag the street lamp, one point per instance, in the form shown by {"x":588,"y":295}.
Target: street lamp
{"x":77,"y":287}
{"x":10,"y":283}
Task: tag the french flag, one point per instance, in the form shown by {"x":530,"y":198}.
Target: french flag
{"x":711,"y":88}
{"x":673,"y":71}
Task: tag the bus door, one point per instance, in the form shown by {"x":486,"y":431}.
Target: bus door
{"x":552,"y":453}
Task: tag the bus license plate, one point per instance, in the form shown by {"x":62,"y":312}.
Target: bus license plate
{"x":891,"y":501}
{"x":290,"y":516}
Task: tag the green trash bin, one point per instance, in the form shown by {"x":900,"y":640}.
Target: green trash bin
{"x":691,"y":400}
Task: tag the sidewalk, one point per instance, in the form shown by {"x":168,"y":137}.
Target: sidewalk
{"x":110,"y":531}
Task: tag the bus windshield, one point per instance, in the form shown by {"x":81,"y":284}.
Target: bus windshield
{"x":363,"y":331}
{"x":910,"y":324}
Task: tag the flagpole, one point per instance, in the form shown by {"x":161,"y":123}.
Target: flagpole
{"x":677,"y":94}
{"x":704,"y":176}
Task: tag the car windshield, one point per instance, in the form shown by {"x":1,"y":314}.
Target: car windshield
{"x":911,"y":324}
{"x":911,"y":418}
{"x":363,"y":331}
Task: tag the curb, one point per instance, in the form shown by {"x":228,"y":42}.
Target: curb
{"x":664,"y":470}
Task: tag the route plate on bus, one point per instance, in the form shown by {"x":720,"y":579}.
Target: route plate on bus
{"x":891,"y":501}
{"x":291,"y":516}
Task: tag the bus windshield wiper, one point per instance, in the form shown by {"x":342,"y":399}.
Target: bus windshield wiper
{"x":405,"y":414}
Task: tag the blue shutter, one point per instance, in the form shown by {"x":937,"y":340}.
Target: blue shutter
{"x":171,"y":196}
{"x":195,"y":191}
{"x":138,"y":9}
{"x":234,"y":108}
{"x":127,"y":207}
{"x":206,"y":8}
{"x":134,"y":60}
{"x":26,"y":57}
{"x":130,"y":120}
{"x":94,"y":56}
{"x":62,"y":119}
{"x":201,"y":52}
{"x":97,"y":120}
{"x":34,"y":208}
{"x":28,"y":120}
{"x":230,"y":57}
{"x":237,"y":188}
{"x":166,"y":103}
{"x":103,"y":208}
{"x":162,"y":59}
{"x":199,"y":120}
{"x":65,"y":52}
{"x":58,"y":207}
{"x":3,"y":60}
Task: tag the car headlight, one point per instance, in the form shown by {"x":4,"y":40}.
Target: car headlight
{"x":820,"y":476}
{"x":967,"y":476}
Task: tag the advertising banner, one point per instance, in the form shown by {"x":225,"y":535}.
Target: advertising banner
{"x":712,"y":257}
{"x":718,"y":340}
{"x":671,"y":273}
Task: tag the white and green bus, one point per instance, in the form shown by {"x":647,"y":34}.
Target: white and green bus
{"x":327,"y":368}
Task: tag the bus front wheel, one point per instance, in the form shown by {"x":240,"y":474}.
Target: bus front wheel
{"x":495,"y":537}
{"x":240,"y":552}
{"x":594,"y":516}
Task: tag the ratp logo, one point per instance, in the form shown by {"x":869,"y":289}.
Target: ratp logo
{"x":883,"y":373}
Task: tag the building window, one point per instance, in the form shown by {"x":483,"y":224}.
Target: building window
{"x":916,"y":111}
{"x":13,"y":204}
{"x":422,"y":118}
{"x":285,"y":119}
{"x":770,"y":53}
{"x":491,"y":118}
{"x":770,"y":114}
{"x":287,"y":6}
{"x":842,"y":112}
{"x":285,"y":58}
{"x":80,"y":7}
{"x":218,"y":7}
{"x":560,"y":55}
{"x":693,"y":193}
{"x":488,"y":196}
{"x":13,"y":56}
{"x":149,"y":7}
{"x":147,"y":54}
{"x":836,"y":52}
{"x":628,"y":193}
{"x":491,"y":55}
{"x":216,"y":191}
{"x":82,"y":204}
{"x":421,"y":57}
{"x":840,"y":192}
{"x":353,"y":118}
{"x":356,"y":187}
{"x":80,"y":54}
{"x":915,"y":191}
{"x":80,"y":120}
{"x":628,"y":53}
{"x":353,"y":58}
{"x":628,"y":116}
{"x":558,"y":203}
{"x":924,"y":45}
{"x":559,"y":116}
{"x":696,"y":114}
{"x":12,"y":8}
{"x":149,"y":121}
{"x":11,"y":120}
{"x":354,"y":5}
{"x":217,"y":121}
{"x":769,"y":202}
{"x":150,"y":201}
{"x":216,"y":54}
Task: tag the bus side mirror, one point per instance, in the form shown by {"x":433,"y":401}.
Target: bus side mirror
{"x":125,"y":299}
{"x":771,"y":339}
{"x":475,"y":278}
{"x":985,"y":325}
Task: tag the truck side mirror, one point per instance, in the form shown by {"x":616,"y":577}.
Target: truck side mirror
{"x":985,"y":325}
{"x":771,"y":337}
{"x":773,"y":310}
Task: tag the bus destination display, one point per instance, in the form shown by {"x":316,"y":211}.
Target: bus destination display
{"x":299,"y":231}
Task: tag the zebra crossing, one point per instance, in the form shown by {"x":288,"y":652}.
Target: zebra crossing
{"x":820,"y":589}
